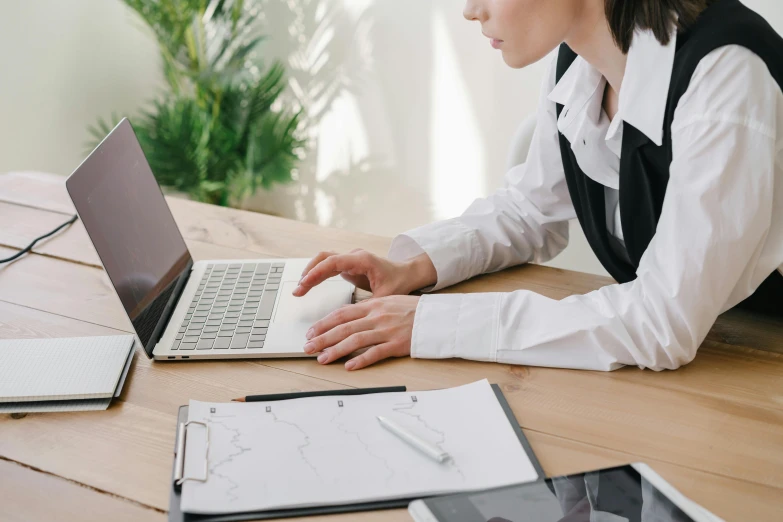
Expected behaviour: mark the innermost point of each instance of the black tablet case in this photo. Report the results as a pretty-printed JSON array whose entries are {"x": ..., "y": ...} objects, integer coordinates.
[{"x": 176, "y": 515}]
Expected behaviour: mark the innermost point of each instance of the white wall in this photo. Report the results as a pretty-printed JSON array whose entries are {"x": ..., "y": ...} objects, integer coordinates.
[
  {"x": 420, "y": 120},
  {"x": 63, "y": 64},
  {"x": 411, "y": 110}
]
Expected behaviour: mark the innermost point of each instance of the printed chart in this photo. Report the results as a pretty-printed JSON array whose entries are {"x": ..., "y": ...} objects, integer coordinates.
[{"x": 332, "y": 450}]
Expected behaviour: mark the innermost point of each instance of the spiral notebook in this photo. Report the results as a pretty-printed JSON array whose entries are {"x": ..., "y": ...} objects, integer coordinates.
[{"x": 78, "y": 373}]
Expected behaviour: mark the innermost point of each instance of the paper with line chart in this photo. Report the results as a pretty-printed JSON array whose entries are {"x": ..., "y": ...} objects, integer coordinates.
[{"x": 332, "y": 450}]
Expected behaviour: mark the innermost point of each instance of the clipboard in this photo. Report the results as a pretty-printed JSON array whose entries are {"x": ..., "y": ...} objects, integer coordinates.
[{"x": 176, "y": 514}]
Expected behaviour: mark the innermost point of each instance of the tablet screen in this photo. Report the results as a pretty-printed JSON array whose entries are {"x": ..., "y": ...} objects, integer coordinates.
[{"x": 610, "y": 495}]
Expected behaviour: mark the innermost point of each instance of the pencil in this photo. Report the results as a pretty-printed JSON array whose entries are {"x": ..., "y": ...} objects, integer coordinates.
[{"x": 322, "y": 393}]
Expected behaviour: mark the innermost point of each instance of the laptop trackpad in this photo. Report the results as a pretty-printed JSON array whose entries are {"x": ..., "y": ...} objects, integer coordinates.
[{"x": 319, "y": 302}]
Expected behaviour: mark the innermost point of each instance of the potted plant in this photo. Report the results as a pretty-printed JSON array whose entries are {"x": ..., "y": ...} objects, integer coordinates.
[{"x": 216, "y": 134}]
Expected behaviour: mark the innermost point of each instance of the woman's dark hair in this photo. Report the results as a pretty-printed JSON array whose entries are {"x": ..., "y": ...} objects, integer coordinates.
[{"x": 660, "y": 16}]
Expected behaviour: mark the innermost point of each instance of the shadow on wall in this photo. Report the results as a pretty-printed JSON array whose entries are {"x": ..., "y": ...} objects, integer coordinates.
[
  {"x": 396, "y": 98},
  {"x": 348, "y": 175}
]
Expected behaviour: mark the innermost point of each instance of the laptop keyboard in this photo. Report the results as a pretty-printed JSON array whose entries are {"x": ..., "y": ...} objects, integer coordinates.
[{"x": 232, "y": 307}]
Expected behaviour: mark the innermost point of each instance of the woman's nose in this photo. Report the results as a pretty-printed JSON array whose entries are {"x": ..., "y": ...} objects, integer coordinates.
[{"x": 473, "y": 11}]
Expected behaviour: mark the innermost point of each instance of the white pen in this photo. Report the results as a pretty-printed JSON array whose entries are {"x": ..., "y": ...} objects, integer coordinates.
[{"x": 432, "y": 451}]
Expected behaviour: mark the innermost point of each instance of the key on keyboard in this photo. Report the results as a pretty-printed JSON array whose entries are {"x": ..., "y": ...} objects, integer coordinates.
[{"x": 229, "y": 301}]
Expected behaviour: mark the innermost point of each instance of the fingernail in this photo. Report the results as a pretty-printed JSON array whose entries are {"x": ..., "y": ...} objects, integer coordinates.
[
  {"x": 349, "y": 365},
  {"x": 310, "y": 333},
  {"x": 322, "y": 358},
  {"x": 309, "y": 347}
]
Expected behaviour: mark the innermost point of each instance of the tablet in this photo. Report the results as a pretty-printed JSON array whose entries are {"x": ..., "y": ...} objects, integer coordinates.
[{"x": 631, "y": 493}]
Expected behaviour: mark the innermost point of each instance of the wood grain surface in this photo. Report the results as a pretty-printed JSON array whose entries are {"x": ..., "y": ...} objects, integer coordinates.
[{"x": 714, "y": 428}]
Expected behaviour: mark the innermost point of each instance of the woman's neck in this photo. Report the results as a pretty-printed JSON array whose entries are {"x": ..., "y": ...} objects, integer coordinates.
[{"x": 592, "y": 40}]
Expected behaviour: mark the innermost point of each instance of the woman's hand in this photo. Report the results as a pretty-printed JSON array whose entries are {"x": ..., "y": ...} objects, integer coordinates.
[
  {"x": 369, "y": 272},
  {"x": 383, "y": 325}
]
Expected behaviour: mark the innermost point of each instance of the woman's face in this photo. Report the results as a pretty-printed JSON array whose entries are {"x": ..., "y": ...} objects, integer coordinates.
[{"x": 524, "y": 30}]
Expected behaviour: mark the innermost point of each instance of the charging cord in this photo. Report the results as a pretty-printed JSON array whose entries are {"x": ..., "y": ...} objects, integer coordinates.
[{"x": 29, "y": 247}]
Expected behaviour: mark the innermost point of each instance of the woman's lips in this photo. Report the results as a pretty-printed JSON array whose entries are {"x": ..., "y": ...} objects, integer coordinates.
[{"x": 494, "y": 42}]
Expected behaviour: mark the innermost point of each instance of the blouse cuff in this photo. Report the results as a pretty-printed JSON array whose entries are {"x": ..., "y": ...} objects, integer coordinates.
[{"x": 456, "y": 325}]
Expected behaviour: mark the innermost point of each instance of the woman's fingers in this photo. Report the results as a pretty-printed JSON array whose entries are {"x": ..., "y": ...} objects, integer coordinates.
[
  {"x": 350, "y": 344},
  {"x": 360, "y": 268},
  {"x": 383, "y": 325},
  {"x": 342, "y": 315},
  {"x": 337, "y": 334},
  {"x": 371, "y": 356},
  {"x": 317, "y": 259},
  {"x": 329, "y": 267},
  {"x": 299, "y": 291}
]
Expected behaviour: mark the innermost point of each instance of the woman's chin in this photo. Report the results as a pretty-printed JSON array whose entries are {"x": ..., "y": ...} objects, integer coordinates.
[
  {"x": 521, "y": 59},
  {"x": 516, "y": 61}
]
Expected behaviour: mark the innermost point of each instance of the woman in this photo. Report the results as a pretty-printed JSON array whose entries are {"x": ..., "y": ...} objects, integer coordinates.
[{"x": 660, "y": 127}]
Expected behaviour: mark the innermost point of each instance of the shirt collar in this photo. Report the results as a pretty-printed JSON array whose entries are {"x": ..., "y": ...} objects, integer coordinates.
[{"x": 644, "y": 92}]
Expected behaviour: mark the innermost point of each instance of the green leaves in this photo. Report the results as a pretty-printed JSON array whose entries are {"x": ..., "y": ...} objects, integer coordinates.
[
  {"x": 175, "y": 137},
  {"x": 214, "y": 136}
]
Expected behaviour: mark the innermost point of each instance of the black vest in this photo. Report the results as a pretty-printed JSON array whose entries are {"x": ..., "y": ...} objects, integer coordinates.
[{"x": 644, "y": 167}]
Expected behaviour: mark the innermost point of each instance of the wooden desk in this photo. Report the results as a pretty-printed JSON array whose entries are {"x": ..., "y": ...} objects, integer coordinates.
[{"x": 714, "y": 428}]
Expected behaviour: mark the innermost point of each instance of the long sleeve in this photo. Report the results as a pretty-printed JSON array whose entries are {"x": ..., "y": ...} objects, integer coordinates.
[
  {"x": 719, "y": 236},
  {"x": 525, "y": 221}
]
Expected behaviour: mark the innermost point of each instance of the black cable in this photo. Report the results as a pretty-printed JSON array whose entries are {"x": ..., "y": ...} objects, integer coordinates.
[{"x": 29, "y": 247}]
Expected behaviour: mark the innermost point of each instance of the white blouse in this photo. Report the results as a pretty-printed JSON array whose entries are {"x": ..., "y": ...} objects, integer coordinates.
[{"x": 719, "y": 236}]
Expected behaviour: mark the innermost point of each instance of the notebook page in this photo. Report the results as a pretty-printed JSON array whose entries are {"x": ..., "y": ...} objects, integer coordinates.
[
  {"x": 332, "y": 450},
  {"x": 69, "y": 368},
  {"x": 55, "y": 406}
]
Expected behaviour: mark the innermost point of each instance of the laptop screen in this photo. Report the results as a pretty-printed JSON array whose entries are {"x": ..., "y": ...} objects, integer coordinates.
[{"x": 130, "y": 224}]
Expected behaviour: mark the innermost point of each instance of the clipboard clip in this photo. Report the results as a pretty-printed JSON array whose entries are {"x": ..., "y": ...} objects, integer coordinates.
[{"x": 179, "y": 454}]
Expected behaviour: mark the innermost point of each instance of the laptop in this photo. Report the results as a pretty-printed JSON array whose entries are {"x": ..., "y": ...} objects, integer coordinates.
[{"x": 181, "y": 308}]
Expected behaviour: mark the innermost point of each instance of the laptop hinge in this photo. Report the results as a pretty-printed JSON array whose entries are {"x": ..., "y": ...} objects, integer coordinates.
[{"x": 168, "y": 310}]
